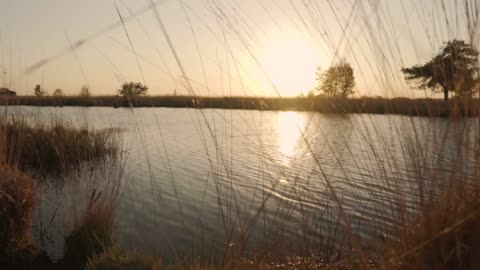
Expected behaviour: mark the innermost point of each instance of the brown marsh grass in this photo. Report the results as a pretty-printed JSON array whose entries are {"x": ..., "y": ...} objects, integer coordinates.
[
  {"x": 460, "y": 106},
  {"x": 56, "y": 149},
  {"x": 16, "y": 208},
  {"x": 52, "y": 147}
]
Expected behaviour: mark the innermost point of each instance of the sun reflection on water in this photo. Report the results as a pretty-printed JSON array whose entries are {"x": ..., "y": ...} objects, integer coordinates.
[{"x": 290, "y": 128}]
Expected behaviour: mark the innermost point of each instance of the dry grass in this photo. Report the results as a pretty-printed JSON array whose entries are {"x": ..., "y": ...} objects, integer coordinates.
[
  {"x": 444, "y": 234},
  {"x": 93, "y": 213},
  {"x": 54, "y": 147},
  {"x": 93, "y": 233},
  {"x": 16, "y": 207},
  {"x": 44, "y": 149}
]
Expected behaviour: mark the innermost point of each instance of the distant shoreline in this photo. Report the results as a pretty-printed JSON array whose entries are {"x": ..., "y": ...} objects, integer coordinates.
[{"x": 400, "y": 106}]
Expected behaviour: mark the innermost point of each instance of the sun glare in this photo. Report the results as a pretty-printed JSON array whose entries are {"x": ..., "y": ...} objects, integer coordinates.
[
  {"x": 290, "y": 64},
  {"x": 290, "y": 127}
]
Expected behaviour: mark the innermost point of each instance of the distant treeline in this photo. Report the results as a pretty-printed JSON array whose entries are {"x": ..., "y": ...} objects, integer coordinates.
[{"x": 403, "y": 106}]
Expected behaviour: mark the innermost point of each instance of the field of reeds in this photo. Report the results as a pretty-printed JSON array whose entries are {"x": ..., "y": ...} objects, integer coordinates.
[
  {"x": 37, "y": 147},
  {"x": 367, "y": 105}
]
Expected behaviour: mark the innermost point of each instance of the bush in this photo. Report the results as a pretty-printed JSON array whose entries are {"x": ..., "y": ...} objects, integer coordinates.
[
  {"x": 16, "y": 207},
  {"x": 58, "y": 93},
  {"x": 85, "y": 91}
]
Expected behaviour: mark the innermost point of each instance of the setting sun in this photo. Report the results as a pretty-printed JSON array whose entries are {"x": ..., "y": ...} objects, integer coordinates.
[{"x": 290, "y": 64}]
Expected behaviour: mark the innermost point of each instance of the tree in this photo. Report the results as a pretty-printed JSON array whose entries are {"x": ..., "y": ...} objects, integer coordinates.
[
  {"x": 39, "y": 91},
  {"x": 7, "y": 92},
  {"x": 454, "y": 68},
  {"x": 338, "y": 80},
  {"x": 58, "y": 93},
  {"x": 132, "y": 89},
  {"x": 85, "y": 91}
]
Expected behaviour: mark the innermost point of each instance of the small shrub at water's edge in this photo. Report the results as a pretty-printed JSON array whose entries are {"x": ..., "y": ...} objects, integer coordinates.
[{"x": 16, "y": 207}]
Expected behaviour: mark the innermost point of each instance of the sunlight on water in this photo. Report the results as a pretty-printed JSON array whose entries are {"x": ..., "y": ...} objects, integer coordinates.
[{"x": 290, "y": 128}]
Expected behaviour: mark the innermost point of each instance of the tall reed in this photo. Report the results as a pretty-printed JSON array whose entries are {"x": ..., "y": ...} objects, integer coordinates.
[{"x": 52, "y": 147}]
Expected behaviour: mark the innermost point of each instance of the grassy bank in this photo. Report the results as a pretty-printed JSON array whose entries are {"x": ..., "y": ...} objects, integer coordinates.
[
  {"x": 30, "y": 150},
  {"x": 402, "y": 106}
]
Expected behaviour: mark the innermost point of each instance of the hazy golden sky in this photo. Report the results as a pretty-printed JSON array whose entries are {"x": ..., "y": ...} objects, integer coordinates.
[{"x": 227, "y": 47}]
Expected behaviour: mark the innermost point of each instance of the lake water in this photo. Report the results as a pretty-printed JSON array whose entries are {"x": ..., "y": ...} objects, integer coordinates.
[{"x": 190, "y": 176}]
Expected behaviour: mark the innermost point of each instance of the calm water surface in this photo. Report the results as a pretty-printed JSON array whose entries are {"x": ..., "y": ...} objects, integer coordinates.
[{"x": 191, "y": 175}]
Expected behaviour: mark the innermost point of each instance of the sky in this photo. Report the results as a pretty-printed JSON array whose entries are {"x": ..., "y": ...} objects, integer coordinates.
[{"x": 220, "y": 47}]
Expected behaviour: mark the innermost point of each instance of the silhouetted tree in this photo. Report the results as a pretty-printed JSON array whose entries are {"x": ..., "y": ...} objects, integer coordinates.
[
  {"x": 454, "y": 68},
  {"x": 39, "y": 91},
  {"x": 7, "y": 92},
  {"x": 338, "y": 80},
  {"x": 132, "y": 89},
  {"x": 84, "y": 91},
  {"x": 58, "y": 93}
]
